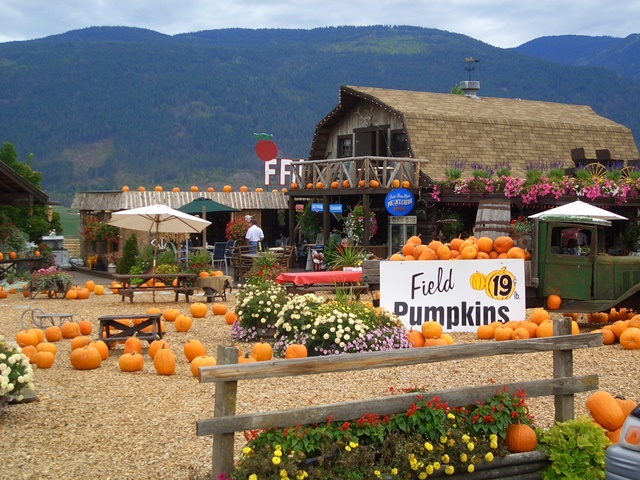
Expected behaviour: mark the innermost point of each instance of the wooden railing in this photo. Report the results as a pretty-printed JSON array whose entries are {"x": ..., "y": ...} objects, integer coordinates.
[
  {"x": 72, "y": 244},
  {"x": 357, "y": 169},
  {"x": 226, "y": 375}
]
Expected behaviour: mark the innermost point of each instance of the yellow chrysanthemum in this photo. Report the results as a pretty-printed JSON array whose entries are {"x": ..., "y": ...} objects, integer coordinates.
[
  {"x": 283, "y": 474},
  {"x": 493, "y": 445},
  {"x": 422, "y": 475},
  {"x": 471, "y": 446},
  {"x": 463, "y": 457},
  {"x": 394, "y": 471},
  {"x": 429, "y": 469},
  {"x": 443, "y": 439},
  {"x": 347, "y": 448},
  {"x": 466, "y": 438},
  {"x": 377, "y": 473},
  {"x": 489, "y": 457},
  {"x": 253, "y": 476},
  {"x": 276, "y": 460},
  {"x": 278, "y": 447},
  {"x": 436, "y": 465},
  {"x": 449, "y": 470},
  {"x": 428, "y": 447},
  {"x": 353, "y": 444},
  {"x": 278, "y": 453},
  {"x": 246, "y": 450},
  {"x": 471, "y": 468},
  {"x": 451, "y": 416},
  {"x": 445, "y": 458},
  {"x": 451, "y": 442},
  {"x": 493, "y": 437}
]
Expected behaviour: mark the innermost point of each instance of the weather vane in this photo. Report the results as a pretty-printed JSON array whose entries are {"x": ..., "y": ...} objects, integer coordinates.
[{"x": 470, "y": 68}]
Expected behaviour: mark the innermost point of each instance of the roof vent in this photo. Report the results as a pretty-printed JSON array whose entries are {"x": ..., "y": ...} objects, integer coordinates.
[{"x": 470, "y": 88}]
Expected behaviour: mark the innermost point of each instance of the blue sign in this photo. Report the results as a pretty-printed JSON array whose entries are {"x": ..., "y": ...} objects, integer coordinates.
[
  {"x": 317, "y": 207},
  {"x": 335, "y": 208},
  {"x": 399, "y": 202}
]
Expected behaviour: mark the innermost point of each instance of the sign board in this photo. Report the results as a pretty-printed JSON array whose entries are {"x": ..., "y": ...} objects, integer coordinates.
[
  {"x": 399, "y": 201},
  {"x": 278, "y": 171},
  {"x": 408, "y": 220},
  {"x": 460, "y": 295},
  {"x": 317, "y": 207},
  {"x": 335, "y": 208}
]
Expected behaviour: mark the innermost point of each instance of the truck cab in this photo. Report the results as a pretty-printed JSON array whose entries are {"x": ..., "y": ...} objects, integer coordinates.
[{"x": 569, "y": 259}]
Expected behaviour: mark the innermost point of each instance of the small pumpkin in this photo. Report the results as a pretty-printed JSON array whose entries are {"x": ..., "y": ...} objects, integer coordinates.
[
  {"x": 201, "y": 361},
  {"x": 102, "y": 348},
  {"x": 30, "y": 351},
  {"x": 230, "y": 317},
  {"x": 44, "y": 359},
  {"x": 131, "y": 362},
  {"x": 416, "y": 339},
  {"x": 46, "y": 347},
  {"x": 53, "y": 333},
  {"x": 262, "y": 351},
  {"x": 155, "y": 346},
  {"x": 183, "y": 323},
  {"x": 164, "y": 361},
  {"x": 219, "y": 309},
  {"x": 133, "y": 344},
  {"x": 80, "y": 341},
  {"x": 98, "y": 290},
  {"x": 85, "y": 327},
  {"x": 485, "y": 332},
  {"x": 27, "y": 337},
  {"x": 553, "y": 302},
  {"x": 194, "y": 348},
  {"x": 295, "y": 350},
  {"x": 520, "y": 438},
  {"x": 431, "y": 329},
  {"x": 246, "y": 358},
  {"x": 85, "y": 358},
  {"x": 198, "y": 310},
  {"x": 170, "y": 314},
  {"x": 630, "y": 338},
  {"x": 70, "y": 330}
]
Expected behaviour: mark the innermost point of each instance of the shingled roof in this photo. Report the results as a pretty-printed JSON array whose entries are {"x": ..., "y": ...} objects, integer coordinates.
[{"x": 445, "y": 127}]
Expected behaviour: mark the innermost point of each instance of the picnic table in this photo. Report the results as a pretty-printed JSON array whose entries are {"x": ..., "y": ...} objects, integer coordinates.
[
  {"x": 113, "y": 330},
  {"x": 215, "y": 286},
  {"x": 330, "y": 280},
  {"x": 127, "y": 289}
]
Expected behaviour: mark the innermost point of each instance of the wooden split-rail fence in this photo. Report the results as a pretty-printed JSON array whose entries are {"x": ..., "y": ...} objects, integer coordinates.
[{"x": 227, "y": 373}]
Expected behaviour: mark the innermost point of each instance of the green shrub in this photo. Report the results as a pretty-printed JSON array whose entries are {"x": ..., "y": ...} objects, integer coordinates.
[{"x": 129, "y": 254}]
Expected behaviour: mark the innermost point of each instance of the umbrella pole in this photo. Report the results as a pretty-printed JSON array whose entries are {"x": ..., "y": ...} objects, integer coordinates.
[{"x": 153, "y": 269}]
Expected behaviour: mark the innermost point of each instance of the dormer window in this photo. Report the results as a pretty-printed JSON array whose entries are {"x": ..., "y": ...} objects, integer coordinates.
[{"x": 345, "y": 146}]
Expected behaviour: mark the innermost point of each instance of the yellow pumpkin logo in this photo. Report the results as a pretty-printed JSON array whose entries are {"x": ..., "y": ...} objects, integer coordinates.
[
  {"x": 500, "y": 284},
  {"x": 478, "y": 281}
]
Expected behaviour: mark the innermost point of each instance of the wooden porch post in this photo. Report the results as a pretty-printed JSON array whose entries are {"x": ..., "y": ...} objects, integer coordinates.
[{"x": 367, "y": 227}]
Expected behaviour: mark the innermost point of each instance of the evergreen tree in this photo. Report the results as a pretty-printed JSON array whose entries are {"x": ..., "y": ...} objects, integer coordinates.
[{"x": 129, "y": 254}]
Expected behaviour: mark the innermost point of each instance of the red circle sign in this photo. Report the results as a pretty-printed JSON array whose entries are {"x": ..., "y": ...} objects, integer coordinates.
[{"x": 266, "y": 150}]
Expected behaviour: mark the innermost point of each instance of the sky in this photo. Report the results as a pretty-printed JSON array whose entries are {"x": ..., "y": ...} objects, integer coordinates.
[{"x": 501, "y": 23}]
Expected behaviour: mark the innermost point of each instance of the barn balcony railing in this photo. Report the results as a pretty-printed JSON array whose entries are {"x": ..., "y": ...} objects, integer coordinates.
[{"x": 358, "y": 171}]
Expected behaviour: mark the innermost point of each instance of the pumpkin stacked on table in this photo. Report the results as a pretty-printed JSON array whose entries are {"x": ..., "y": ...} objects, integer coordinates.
[
  {"x": 471, "y": 248},
  {"x": 609, "y": 412},
  {"x": 539, "y": 324}
]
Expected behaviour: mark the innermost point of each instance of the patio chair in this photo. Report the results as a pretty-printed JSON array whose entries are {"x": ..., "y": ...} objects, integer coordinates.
[{"x": 219, "y": 257}]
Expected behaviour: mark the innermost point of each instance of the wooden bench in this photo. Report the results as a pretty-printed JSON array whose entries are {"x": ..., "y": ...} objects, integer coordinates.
[
  {"x": 128, "y": 292},
  {"x": 42, "y": 320},
  {"x": 111, "y": 330}
]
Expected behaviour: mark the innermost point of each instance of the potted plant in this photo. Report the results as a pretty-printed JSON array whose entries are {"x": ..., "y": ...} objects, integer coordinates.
[
  {"x": 354, "y": 225},
  {"x": 112, "y": 261},
  {"x": 345, "y": 257},
  {"x": 16, "y": 373},
  {"x": 257, "y": 308}
]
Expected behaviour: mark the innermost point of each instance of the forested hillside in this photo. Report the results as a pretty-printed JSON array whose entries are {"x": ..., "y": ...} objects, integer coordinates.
[
  {"x": 107, "y": 106},
  {"x": 621, "y": 55}
]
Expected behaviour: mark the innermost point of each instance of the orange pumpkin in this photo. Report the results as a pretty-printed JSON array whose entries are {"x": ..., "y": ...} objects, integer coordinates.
[
  {"x": 219, "y": 309},
  {"x": 70, "y": 330},
  {"x": 295, "y": 350},
  {"x": 416, "y": 339},
  {"x": 485, "y": 332},
  {"x": 262, "y": 351},
  {"x": 102, "y": 348},
  {"x": 85, "y": 358},
  {"x": 131, "y": 362},
  {"x": 46, "y": 347},
  {"x": 44, "y": 359},
  {"x": 164, "y": 361},
  {"x": 183, "y": 323},
  {"x": 553, "y": 302},
  {"x": 520, "y": 438},
  {"x": 198, "y": 310},
  {"x": 170, "y": 314},
  {"x": 201, "y": 361},
  {"x": 431, "y": 330},
  {"x": 80, "y": 341},
  {"x": 502, "y": 244},
  {"x": 53, "y": 333},
  {"x": 227, "y": 189},
  {"x": 605, "y": 410},
  {"x": 85, "y": 327},
  {"x": 502, "y": 333},
  {"x": 133, "y": 344},
  {"x": 230, "y": 317},
  {"x": 155, "y": 346},
  {"x": 194, "y": 348},
  {"x": 630, "y": 338}
]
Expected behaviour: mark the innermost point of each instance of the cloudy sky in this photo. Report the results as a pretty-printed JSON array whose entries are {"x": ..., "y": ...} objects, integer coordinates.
[{"x": 502, "y": 23}]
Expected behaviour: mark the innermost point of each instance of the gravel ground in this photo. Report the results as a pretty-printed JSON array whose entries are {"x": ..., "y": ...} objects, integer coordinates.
[{"x": 105, "y": 424}]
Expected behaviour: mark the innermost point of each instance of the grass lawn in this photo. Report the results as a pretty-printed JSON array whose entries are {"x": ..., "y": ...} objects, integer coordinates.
[{"x": 70, "y": 220}]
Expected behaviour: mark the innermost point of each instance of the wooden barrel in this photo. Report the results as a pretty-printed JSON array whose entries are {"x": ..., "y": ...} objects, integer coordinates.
[{"x": 493, "y": 218}]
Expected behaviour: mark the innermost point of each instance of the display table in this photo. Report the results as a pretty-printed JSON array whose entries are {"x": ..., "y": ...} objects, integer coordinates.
[
  {"x": 328, "y": 281},
  {"x": 127, "y": 289},
  {"x": 112, "y": 330},
  {"x": 215, "y": 286}
]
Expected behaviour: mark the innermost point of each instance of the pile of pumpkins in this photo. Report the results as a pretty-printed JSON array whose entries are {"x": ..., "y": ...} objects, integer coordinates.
[
  {"x": 194, "y": 189},
  {"x": 347, "y": 184},
  {"x": 538, "y": 325},
  {"x": 609, "y": 412},
  {"x": 459, "y": 249},
  {"x": 429, "y": 335}
]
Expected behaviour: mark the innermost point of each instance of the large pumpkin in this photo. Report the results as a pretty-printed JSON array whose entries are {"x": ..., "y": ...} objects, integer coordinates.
[
  {"x": 44, "y": 359},
  {"x": 502, "y": 244},
  {"x": 85, "y": 327},
  {"x": 46, "y": 347},
  {"x": 198, "y": 310},
  {"x": 605, "y": 410},
  {"x": 70, "y": 330},
  {"x": 102, "y": 348},
  {"x": 80, "y": 341},
  {"x": 201, "y": 361},
  {"x": 230, "y": 317},
  {"x": 416, "y": 339},
  {"x": 164, "y": 361},
  {"x": 131, "y": 362},
  {"x": 520, "y": 438},
  {"x": 431, "y": 329},
  {"x": 53, "y": 333},
  {"x": 155, "y": 346},
  {"x": 194, "y": 348},
  {"x": 85, "y": 358},
  {"x": 133, "y": 344},
  {"x": 170, "y": 314},
  {"x": 27, "y": 337},
  {"x": 630, "y": 338}
]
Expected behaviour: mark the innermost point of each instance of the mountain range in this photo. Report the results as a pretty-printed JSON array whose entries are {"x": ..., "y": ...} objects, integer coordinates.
[{"x": 103, "y": 107}]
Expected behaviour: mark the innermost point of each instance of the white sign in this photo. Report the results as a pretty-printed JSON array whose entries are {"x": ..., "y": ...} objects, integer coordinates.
[
  {"x": 407, "y": 220},
  {"x": 459, "y": 294},
  {"x": 278, "y": 171}
]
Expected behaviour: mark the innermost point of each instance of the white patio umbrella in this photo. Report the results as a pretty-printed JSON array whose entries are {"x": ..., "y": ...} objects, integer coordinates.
[
  {"x": 578, "y": 209},
  {"x": 157, "y": 219}
]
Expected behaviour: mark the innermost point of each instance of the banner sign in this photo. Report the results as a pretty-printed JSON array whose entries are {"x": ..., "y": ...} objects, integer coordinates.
[
  {"x": 399, "y": 201},
  {"x": 335, "y": 208},
  {"x": 460, "y": 294},
  {"x": 317, "y": 207}
]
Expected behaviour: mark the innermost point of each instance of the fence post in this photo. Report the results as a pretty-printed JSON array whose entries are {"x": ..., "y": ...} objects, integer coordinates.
[
  {"x": 563, "y": 367},
  {"x": 225, "y": 405}
]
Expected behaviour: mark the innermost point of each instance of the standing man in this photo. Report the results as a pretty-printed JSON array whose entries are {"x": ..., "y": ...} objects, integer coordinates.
[{"x": 254, "y": 235}]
